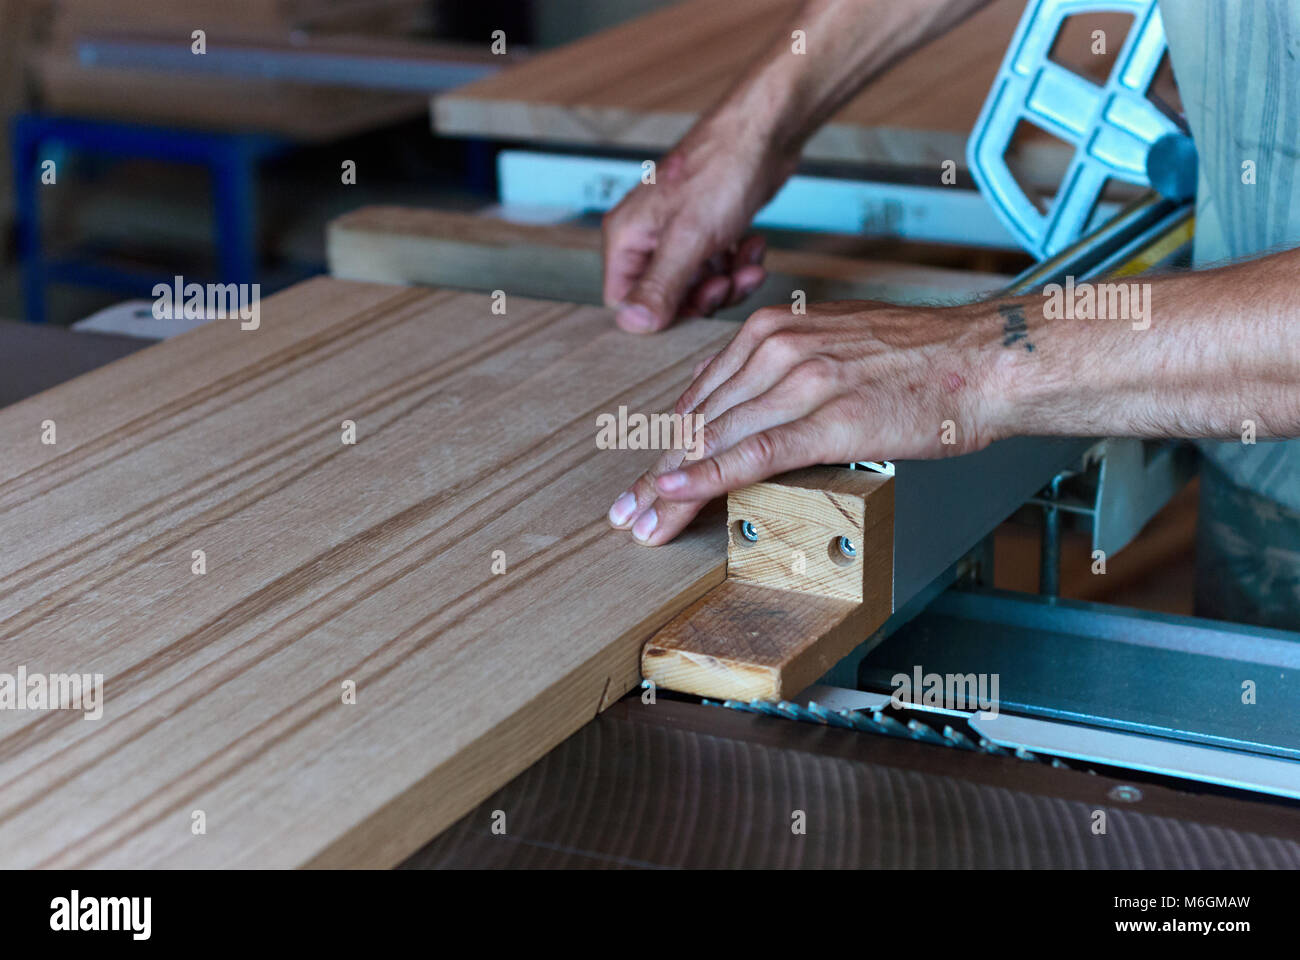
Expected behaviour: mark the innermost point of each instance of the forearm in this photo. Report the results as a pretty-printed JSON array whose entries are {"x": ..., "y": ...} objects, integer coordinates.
[
  {"x": 785, "y": 96},
  {"x": 1215, "y": 349}
]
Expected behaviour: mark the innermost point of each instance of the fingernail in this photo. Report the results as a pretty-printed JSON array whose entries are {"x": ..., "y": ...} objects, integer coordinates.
[
  {"x": 637, "y": 318},
  {"x": 756, "y": 255},
  {"x": 645, "y": 525},
  {"x": 672, "y": 481},
  {"x": 622, "y": 509}
]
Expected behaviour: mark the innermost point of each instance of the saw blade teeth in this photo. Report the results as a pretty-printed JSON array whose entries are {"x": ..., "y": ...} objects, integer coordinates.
[
  {"x": 862, "y": 721},
  {"x": 925, "y": 734},
  {"x": 988, "y": 746},
  {"x": 958, "y": 739},
  {"x": 890, "y": 725},
  {"x": 826, "y": 717},
  {"x": 793, "y": 711}
]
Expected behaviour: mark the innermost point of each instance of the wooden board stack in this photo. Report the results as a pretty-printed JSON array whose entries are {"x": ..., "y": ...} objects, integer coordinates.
[
  {"x": 563, "y": 262},
  {"x": 642, "y": 85}
]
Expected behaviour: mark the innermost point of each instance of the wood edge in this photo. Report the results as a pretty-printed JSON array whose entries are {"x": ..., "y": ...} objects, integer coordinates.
[{"x": 374, "y": 842}]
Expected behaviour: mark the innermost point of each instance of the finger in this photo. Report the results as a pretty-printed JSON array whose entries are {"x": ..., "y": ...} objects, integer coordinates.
[
  {"x": 629, "y": 505},
  {"x": 751, "y": 333},
  {"x": 663, "y": 519},
  {"x": 750, "y": 252},
  {"x": 655, "y": 298},
  {"x": 771, "y": 362},
  {"x": 744, "y": 282},
  {"x": 807, "y": 388},
  {"x": 756, "y": 457},
  {"x": 707, "y": 297},
  {"x": 626, "y": 248},
  {"x": 699, "y": 367}
]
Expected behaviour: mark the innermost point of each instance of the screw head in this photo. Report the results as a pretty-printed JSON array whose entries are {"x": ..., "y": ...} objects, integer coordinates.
[
  {"x": 848, "y": 548},
  {"x": 1125, "y": 793},
  {"x": 748, "y": 531}
]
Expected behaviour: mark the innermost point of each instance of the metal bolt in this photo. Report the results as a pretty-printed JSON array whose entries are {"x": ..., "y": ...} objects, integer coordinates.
[
  {"x": 748, "y": 531},
  {"x": 1125, "y": 793},
  {"x": 847, "y": 548}
]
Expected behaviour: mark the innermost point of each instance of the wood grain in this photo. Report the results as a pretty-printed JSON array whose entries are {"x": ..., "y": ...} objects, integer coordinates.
[
  {"x": 642, "y": 85},
  {"x": 792, "y": 606},
  {"x": 326, "y": 563},
  {"x": 405, "y": 245}
]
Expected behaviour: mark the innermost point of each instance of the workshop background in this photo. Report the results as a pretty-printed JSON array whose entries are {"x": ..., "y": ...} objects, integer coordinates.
[{"x": 242, "y": 178}]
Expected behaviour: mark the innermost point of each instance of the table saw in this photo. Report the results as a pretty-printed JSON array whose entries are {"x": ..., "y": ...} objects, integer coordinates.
[{"x": 421, "y": 646}]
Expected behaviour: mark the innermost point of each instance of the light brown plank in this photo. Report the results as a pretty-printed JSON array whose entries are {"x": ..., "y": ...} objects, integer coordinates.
[
  {"x": 563, "y": 262},
  {"x": 325, "y": 563},
  {"x": 642, "y": 85}
]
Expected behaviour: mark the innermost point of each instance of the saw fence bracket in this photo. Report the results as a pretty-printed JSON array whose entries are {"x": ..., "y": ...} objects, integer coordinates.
[{"x": 810, "y": 565}]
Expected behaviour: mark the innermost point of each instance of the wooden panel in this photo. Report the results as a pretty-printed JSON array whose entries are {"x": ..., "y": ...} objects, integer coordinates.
[
  {"x": 644, "y": 83},
  {"x": 406, "y": 245},
  {"x": 325, "y": 563},
  {"x": 792, "y": 606}
]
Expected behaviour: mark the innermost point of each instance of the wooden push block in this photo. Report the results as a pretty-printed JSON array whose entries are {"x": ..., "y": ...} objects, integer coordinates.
[
  {"x": 815, "y": 531},
  {"x": 810, "y": 564}
]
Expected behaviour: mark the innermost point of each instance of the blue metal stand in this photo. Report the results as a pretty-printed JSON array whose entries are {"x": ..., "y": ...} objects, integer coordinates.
[{"x": 230, "y": 158}]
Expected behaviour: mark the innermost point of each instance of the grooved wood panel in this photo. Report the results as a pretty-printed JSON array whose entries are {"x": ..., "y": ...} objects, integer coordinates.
[
  {"x": 325, "y": 563},
  {"x": 643, "y": 84},
  {"x": 563, "y": 261}
]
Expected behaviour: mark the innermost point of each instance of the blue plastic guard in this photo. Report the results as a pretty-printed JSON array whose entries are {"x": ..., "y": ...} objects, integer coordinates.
[{"x": 1112, "y": 127}]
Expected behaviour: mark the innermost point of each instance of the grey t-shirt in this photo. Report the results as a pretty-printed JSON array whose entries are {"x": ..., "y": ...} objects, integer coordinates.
[{"x": 1237, "y": 63}]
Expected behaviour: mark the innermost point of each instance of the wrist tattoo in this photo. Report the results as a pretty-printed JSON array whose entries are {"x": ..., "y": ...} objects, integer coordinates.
[{"x": 1014, "y": 328}]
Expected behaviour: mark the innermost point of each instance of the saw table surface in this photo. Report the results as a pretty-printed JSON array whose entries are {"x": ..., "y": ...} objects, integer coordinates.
[
  {"x": 642, "y": 84},
  {"x": 328, "y": 567}
]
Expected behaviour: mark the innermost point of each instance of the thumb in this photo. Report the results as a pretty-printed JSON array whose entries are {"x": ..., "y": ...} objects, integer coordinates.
[{"x": 652, "y": 303}]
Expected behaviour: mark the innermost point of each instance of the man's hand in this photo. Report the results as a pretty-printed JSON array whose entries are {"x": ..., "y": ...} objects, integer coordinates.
[
  {"x": 848, "y": 381},
  {"x": 677, "y": 247}
]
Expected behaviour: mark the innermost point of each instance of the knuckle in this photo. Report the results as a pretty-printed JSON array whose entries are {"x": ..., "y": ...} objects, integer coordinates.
[
  {"x": 763, "y": 323},
  {"x": 781, "y": 347},
  {"x": 714, "y": 475},
  {"x": 710, "y": 440},
  {"x": 760, "y": 450},
  {"x": 815, "y": 372}
]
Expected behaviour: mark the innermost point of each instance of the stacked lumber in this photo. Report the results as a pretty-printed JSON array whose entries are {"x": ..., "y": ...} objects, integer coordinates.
[
  {"x": 563, "y": 262},
  {"x": 642, "y": 85},
  {"x": 297, "y": 110},
  {"x": 383, "y": 632}
]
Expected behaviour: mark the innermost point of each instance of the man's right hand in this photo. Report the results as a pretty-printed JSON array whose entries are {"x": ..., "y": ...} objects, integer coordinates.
[{"x": 678, "y": 247}]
